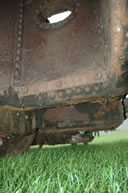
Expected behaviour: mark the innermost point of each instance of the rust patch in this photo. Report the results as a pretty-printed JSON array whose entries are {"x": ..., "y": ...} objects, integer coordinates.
[
  {"x": 20, "y": 123},
  {"x": 85, "y": 115},
  {"x": 66, "y": 83},
  {"x": 87, "y": 60},
  {"x": 13, "y": 145}
]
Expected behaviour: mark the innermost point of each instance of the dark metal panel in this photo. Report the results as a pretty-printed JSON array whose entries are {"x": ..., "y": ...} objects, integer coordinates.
[
  {"x": 13, "y": 145},
  {"x": 99, "y": 115},
  {"x": 8, "y": 36},
  {"x": 19, "y": 122},
  {"x": 81, "y": 59},
  {"x": 107, "y": 78}
]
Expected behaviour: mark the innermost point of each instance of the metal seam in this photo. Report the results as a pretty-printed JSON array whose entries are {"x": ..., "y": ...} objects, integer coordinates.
[{"x": 18, "y": 54}]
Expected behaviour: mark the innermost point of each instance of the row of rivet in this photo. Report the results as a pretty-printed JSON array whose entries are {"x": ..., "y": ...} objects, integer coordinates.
[
  {"x": 69, "y": 92},
  {"x": 19, "y": 45},
  {"x": 98, "y": 76},
  {"x": 116, "y": 31},
  {"x": 26, "y": 116}
]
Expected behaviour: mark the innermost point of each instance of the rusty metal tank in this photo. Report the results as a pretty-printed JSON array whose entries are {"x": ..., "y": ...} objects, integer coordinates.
[{"x": 60, "y": 82}]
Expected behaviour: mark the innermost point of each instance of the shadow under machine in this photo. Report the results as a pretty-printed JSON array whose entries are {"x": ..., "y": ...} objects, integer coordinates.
[{"x": 62, "y": 81}]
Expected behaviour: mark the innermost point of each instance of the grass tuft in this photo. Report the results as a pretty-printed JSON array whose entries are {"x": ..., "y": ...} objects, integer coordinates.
[{"x": 101, "y": 166}]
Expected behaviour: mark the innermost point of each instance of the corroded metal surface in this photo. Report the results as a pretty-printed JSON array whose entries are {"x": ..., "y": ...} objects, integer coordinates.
[
  {"x": 64, "y": 124},
  {"x": 60, "y": 49},
  {"x": 60, "y": 70},
  {"x": 79, "y": 59},
  {"x": 90, "y": 116},
  {"x": 8, "y": 33},
  {"x": 19, "y": 122},
  {"x": 72, "y": 124},
  {"x": 85, "y": 116},
  {"x": 63, "y": 79},
  {"x": 13, "y": 145}
]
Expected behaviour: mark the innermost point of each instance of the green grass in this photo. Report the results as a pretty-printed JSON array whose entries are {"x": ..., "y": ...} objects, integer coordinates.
[{"x": 100, "y": 167}]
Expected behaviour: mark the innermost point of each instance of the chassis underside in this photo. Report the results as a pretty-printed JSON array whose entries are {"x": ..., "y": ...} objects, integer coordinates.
[{"x": 60, "y": 82}]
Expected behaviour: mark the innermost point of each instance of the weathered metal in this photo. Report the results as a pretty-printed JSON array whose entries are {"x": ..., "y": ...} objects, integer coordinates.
[
  {"x": 85, "y": 115},
  {"x": 70, "y": 124},
  {"x": 46, "y": 64},
  {"x": 16, "y": 144},
  {"x": 19, "y": 122},
  {"x": 56, "y": 79}
]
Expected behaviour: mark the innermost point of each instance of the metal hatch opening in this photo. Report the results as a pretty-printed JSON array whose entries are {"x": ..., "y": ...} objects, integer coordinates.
[{"x": 58, "y": 17}]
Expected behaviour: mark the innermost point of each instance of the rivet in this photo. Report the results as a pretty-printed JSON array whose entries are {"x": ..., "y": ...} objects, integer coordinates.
[
  {"x": 21, "y": 10},
  {"x": 18, "y": 114},
  {"x": 17, "y": 65},
  {"x": 17, "y": 73},
  {"x": 20, "y": 26},
  {"x": 20, "y": 20},
  {"x": 18, "y": 51},
  {"x": 21, "y": 15},
  {"x": 78, "y": 90},
  {"x": 17, "y": 58},
  {"x": 19, "y": 45},
  {"x": 19, "y": 39},
  {"x": 21, "y": 5},
  {"x": 52, "y": 94},
  {"x": 23, "y": 89},
  {"x": 20, "y": 33},
  {"x": 98, "y": 75},
  {"x": 26, "y": 116},
  {"x": 87, "y": 89},
  {"x": 68, "y": 91}
]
